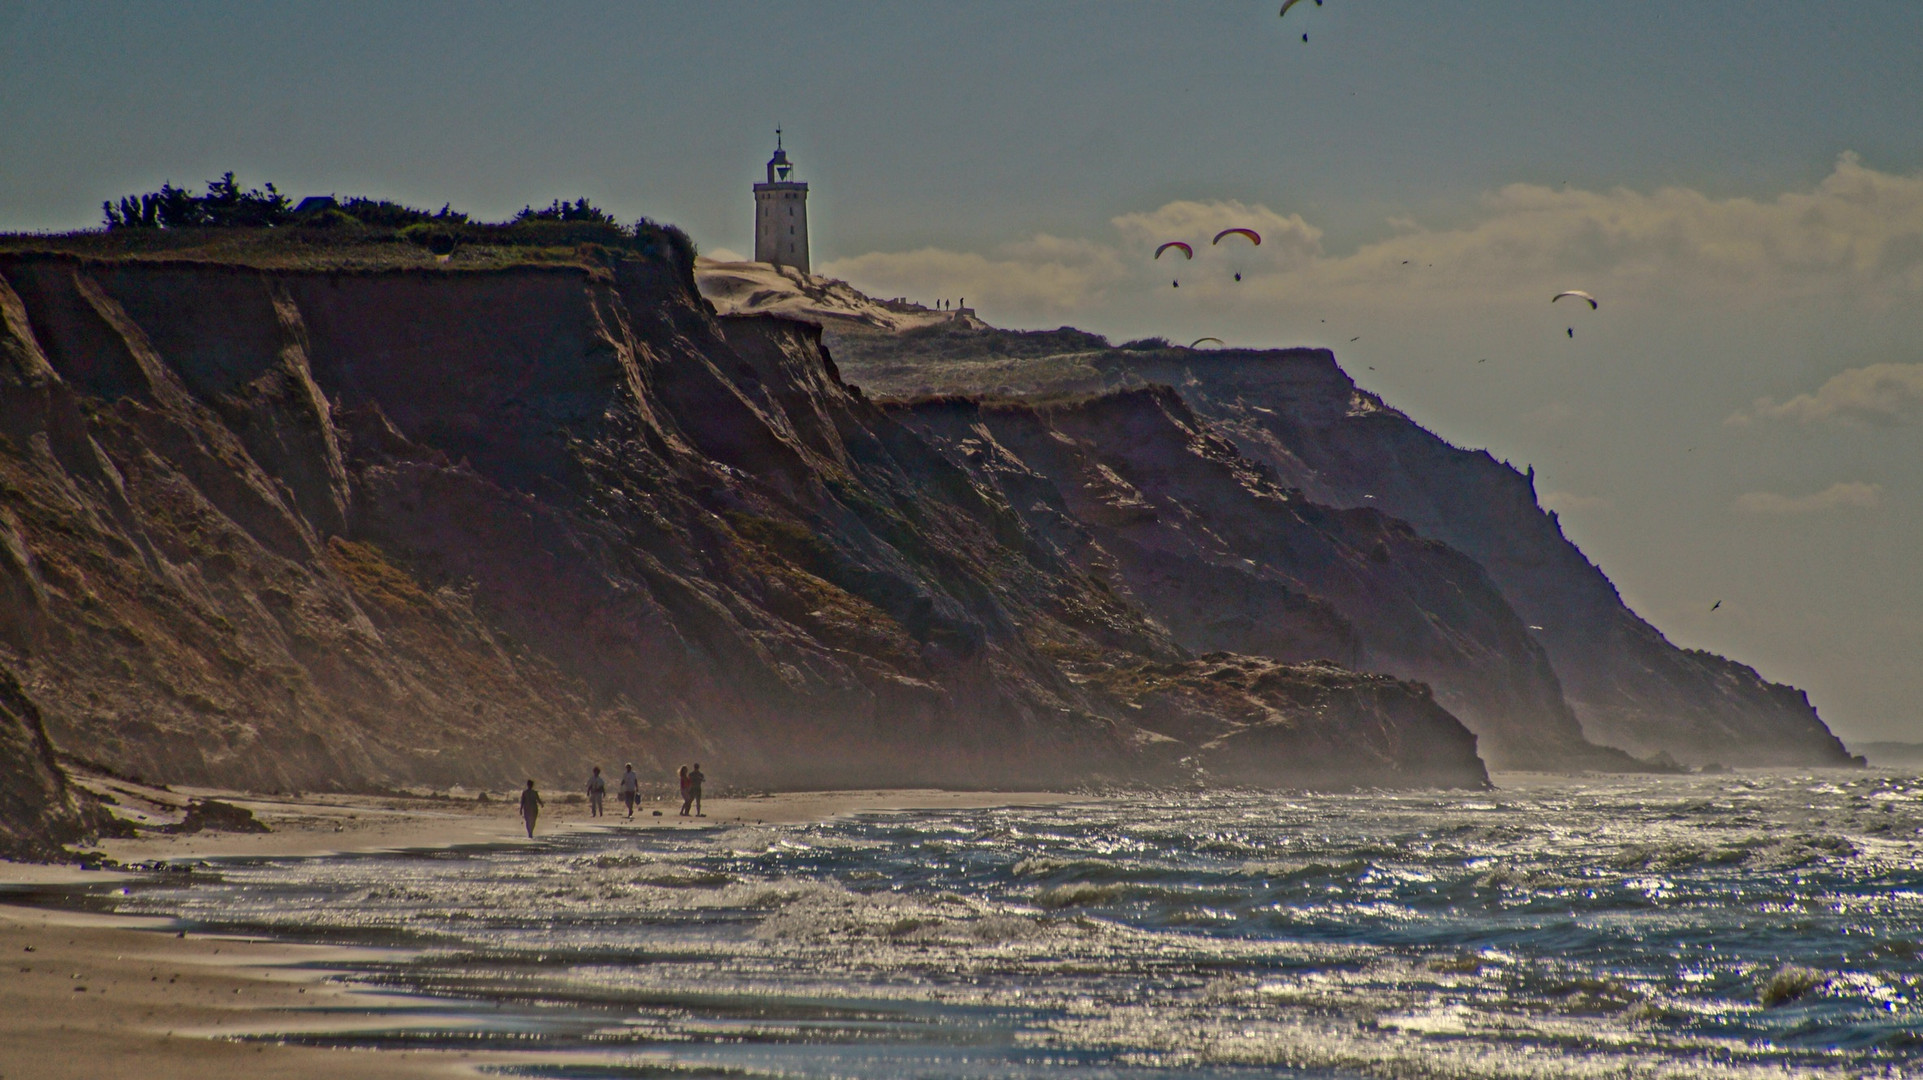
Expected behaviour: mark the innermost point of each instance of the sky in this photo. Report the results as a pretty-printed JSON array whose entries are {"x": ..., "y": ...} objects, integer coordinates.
[{"x": 1739, "y": 184}]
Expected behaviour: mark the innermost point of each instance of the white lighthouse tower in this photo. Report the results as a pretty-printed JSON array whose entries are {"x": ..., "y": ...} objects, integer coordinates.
[{"x": 781, "y": 214}]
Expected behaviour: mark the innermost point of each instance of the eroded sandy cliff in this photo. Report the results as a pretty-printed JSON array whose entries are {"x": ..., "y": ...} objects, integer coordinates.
[
  {"x": 307, "y": 529},
  {"x": 1299, "y": 418}
]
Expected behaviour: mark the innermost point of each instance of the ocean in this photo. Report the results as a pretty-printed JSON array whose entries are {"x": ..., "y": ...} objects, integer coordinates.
[{"x": 1649, "y": 926}]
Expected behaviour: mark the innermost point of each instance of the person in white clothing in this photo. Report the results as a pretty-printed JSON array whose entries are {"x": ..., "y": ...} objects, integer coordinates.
[{"x": 630, "y": 789}]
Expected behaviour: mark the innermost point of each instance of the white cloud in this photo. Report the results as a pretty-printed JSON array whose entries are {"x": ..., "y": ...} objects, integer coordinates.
[
  {"x": 1286, "y": 241},
  {"x": 1886, "y": 395},
  {"x": 1043, "y": 275},
  {"x": 1857, "y": 223},
  {"x": 1850, "y": 495},
  {"x": 1857, "y": 236}
]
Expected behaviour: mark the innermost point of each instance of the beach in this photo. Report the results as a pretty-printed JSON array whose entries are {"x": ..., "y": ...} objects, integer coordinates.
[
  {"x": 91, "y": 995},
  {"x": 1553, "y": 927}
]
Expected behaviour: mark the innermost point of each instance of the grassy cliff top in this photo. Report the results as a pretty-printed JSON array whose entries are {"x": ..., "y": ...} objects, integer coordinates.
[
  {"x": 262, "y": 228},
  {"x": 299, "y": 248}
]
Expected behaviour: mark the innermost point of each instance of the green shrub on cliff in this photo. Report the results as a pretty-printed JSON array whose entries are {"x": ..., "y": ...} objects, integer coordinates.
[
  {"x": 227, "y": 205},
  {"x": 580, "y": 210},
  {"x": 260, "y": 226},
  {"x": 383, "y": 213},
  {"x": 224, "y": 205}
]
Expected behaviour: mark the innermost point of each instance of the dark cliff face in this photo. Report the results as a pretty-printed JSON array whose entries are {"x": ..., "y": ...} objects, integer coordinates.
[
  {"x": 39, "y": 811},
  {"x": 1627, "y": 683},
  {"x": 309, "y": 529},
  {"x": 1135, "y": 484},
  {"x": 1259, "y": 722},
  {"x": 1301, "y": 417}
]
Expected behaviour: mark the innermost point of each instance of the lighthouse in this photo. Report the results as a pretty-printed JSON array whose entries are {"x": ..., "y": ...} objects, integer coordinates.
[{"x": 781, "y": 214}]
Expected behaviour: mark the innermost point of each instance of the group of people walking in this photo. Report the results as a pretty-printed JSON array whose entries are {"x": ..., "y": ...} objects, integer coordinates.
[
  {"x": 630, "y": 790},
  {"x": 691, "y": 779}
]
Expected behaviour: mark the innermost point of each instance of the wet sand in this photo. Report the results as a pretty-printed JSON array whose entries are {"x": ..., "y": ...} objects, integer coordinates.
[{"x": 91, "y": 996}]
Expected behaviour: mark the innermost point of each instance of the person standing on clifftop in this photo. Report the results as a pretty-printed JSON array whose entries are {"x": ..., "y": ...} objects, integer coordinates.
[
  {"x": 597, "y": 791},
  {"x": 630, "y": 789},
  {"x": 530, "y": 807}
]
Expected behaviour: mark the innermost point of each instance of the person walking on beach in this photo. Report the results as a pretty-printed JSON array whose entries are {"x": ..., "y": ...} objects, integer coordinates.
[
  {"x": 597, "y": 791},
  {"x": 694, "y": 789},
  {"x": 630, "y": 789},
  {"x": 530, "y": 807},
  {"x": 687, "y": 799}
]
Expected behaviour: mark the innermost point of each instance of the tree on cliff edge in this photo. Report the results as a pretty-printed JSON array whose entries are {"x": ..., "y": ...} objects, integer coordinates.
[
  {"x": 580, "y": 211},
  {"x": 225, "y": 204}
]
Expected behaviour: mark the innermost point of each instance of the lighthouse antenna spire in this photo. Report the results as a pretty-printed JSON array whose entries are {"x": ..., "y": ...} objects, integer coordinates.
[{"x": 777, "y": 136}]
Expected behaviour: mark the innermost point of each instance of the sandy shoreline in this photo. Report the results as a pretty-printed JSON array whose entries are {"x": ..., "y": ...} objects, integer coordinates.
[{"x": 87, "y": 996}]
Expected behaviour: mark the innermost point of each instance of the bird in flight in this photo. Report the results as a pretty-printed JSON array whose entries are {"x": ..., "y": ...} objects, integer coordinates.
[{"x": 1715, "y": 605}]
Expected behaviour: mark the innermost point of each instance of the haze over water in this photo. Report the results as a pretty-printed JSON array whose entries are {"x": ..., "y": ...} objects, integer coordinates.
[{"x": 1737, "y": 925}]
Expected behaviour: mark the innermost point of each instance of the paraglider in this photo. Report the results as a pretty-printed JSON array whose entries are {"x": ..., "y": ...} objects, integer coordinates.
[
  {"x": 1287, "y": 4},
  {"x": 1578, "y": 294},
  {"x": 1200, "y": 340},
  {"x": 1254, "y": 238},
  {"x": 1187, "y": 251}
]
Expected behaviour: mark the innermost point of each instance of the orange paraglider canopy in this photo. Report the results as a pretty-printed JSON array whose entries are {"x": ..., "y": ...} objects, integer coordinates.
[
  {"x": 1186, "y": 250},
  {"x": 1254, "y": 237}
]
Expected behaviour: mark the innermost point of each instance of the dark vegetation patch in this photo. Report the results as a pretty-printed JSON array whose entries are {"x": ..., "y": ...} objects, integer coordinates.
[
  {"x": 263, "y": 227},
  {"x": 212, "y": 815}
]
